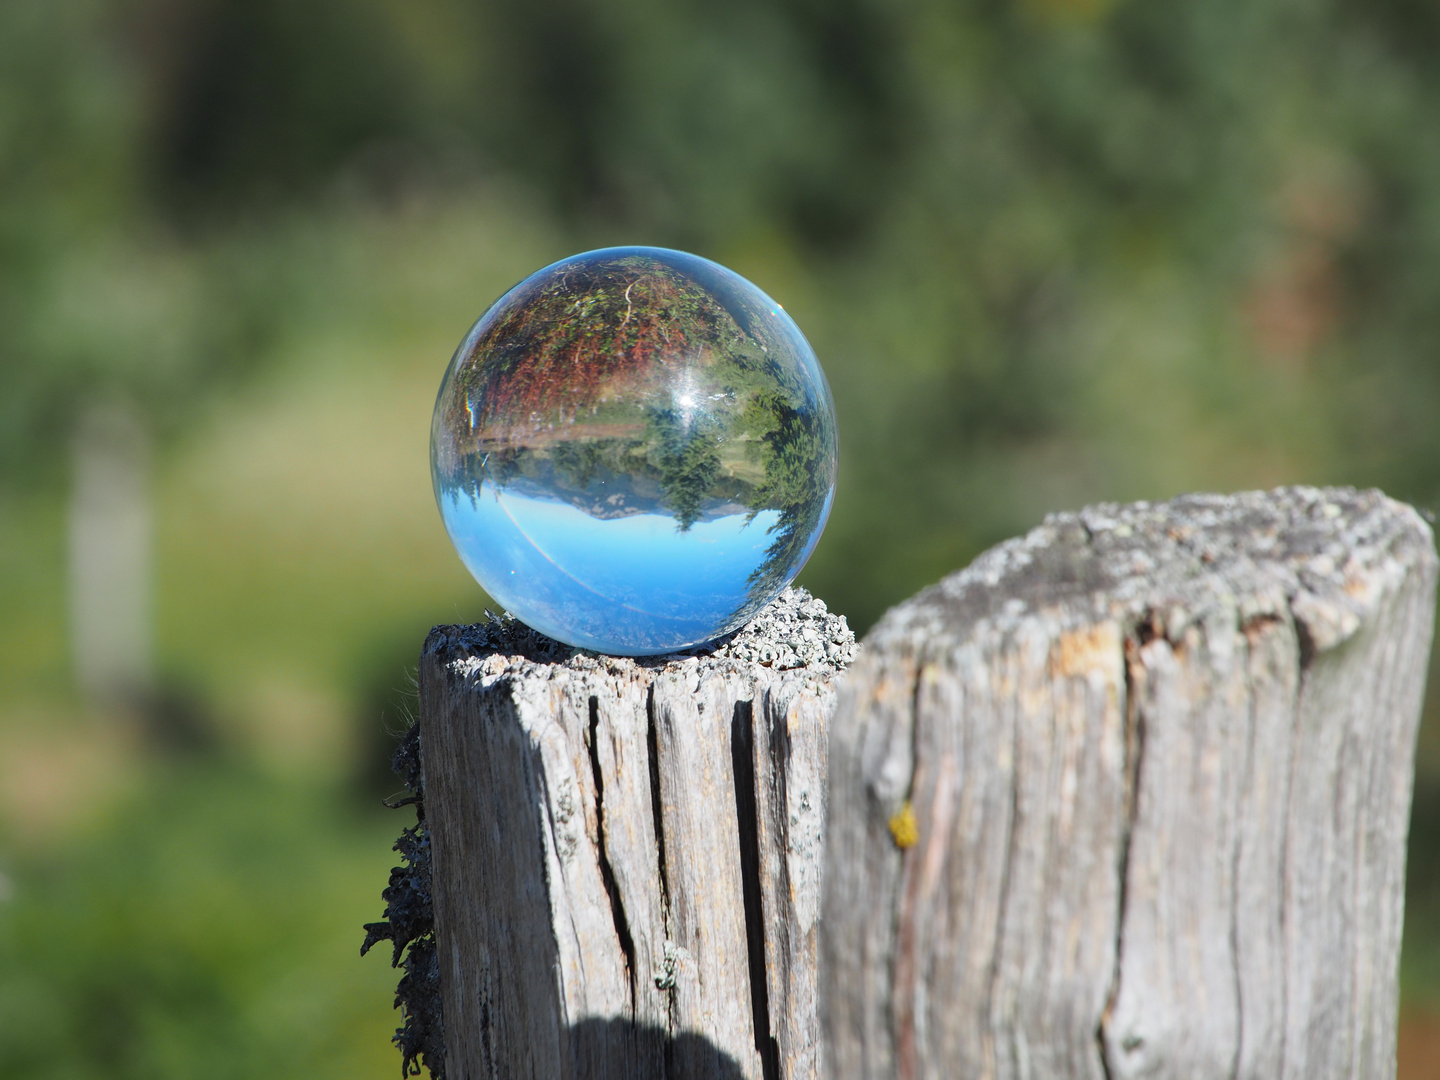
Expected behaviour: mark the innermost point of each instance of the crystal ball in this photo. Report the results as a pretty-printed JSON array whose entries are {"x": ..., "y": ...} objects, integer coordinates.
[{"x": 634, "y": 450}]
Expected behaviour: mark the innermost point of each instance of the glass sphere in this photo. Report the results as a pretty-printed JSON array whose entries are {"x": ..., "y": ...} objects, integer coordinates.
[{"x": 634, "y": 450}]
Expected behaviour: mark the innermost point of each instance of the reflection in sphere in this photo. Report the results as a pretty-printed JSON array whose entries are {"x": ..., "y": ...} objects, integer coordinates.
[{"x": 634, "y": 450}]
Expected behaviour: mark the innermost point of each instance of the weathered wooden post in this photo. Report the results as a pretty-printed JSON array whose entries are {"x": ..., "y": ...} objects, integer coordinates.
[
  {"x": 1128, "y": 797},
  {"x": 627, "y": 854}
]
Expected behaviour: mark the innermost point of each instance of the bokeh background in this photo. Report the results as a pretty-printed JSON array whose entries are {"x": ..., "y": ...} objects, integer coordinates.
[{"x": 1049, "y": 252}]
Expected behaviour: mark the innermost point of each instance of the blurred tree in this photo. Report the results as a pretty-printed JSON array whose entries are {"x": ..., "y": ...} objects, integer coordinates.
[
  {"x": 99, "y": 301},
  {"x": 256, "y": 102}
]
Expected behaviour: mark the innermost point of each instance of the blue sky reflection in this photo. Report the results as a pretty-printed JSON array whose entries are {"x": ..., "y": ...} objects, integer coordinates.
[{"x": 632, "y": 585}]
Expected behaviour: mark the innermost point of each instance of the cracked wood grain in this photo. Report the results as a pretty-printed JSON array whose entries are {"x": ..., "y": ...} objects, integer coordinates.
[{"x": 1160, "y": 759}]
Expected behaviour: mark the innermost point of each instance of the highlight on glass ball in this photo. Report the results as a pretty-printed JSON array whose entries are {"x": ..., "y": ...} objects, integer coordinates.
[{"x": 634, "y": 450}]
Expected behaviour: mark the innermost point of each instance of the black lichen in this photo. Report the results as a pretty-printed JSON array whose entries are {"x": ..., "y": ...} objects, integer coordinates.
[{"x": 409, "y": 925}]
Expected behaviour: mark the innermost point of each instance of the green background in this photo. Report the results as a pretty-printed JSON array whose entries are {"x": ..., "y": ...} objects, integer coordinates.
[{"x": 1048, "y": 251}]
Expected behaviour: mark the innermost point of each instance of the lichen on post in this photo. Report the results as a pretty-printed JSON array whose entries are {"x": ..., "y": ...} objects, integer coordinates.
[{"x": 409, "y": 925}]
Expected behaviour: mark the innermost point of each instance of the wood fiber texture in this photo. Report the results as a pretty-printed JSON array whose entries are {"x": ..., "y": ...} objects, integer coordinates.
[
  {"x": 627, "y": 853},
  {"x": 1158, "y": 760}
]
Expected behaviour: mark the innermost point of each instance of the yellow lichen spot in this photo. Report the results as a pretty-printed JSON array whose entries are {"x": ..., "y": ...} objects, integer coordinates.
[
  {"x": 904, "y": 828},
  {"x": 1089, "y": 649}
]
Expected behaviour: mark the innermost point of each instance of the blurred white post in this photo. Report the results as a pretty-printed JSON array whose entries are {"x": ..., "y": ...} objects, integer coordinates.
[{"x": 110, "y": 555}]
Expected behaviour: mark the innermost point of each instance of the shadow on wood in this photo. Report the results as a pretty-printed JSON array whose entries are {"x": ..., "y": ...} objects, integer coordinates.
[{"x": 611, "y": 1048}]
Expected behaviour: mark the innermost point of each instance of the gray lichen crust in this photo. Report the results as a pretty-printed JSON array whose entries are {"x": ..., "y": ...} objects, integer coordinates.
[
  {"x": 1329, "y": 551},
  {"x": 795, "y": 632}
]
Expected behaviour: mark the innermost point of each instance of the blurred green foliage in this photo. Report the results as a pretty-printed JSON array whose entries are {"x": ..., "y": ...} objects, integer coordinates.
[
  {"x": 209, "y": 931},
  {"x": 1049, "y": 251}
]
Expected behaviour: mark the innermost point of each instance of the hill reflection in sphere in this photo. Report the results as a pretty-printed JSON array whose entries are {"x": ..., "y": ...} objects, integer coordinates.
[{"x": 634, "y": 450}]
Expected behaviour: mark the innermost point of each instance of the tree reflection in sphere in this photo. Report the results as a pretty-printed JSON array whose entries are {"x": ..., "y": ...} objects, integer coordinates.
[{"x": 634, "y": 450}]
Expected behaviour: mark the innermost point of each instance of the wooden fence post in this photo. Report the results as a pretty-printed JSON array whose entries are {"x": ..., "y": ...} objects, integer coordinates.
[
  {"x": 1128, "y": 798},
  {"x": 626, "y": 854}
]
